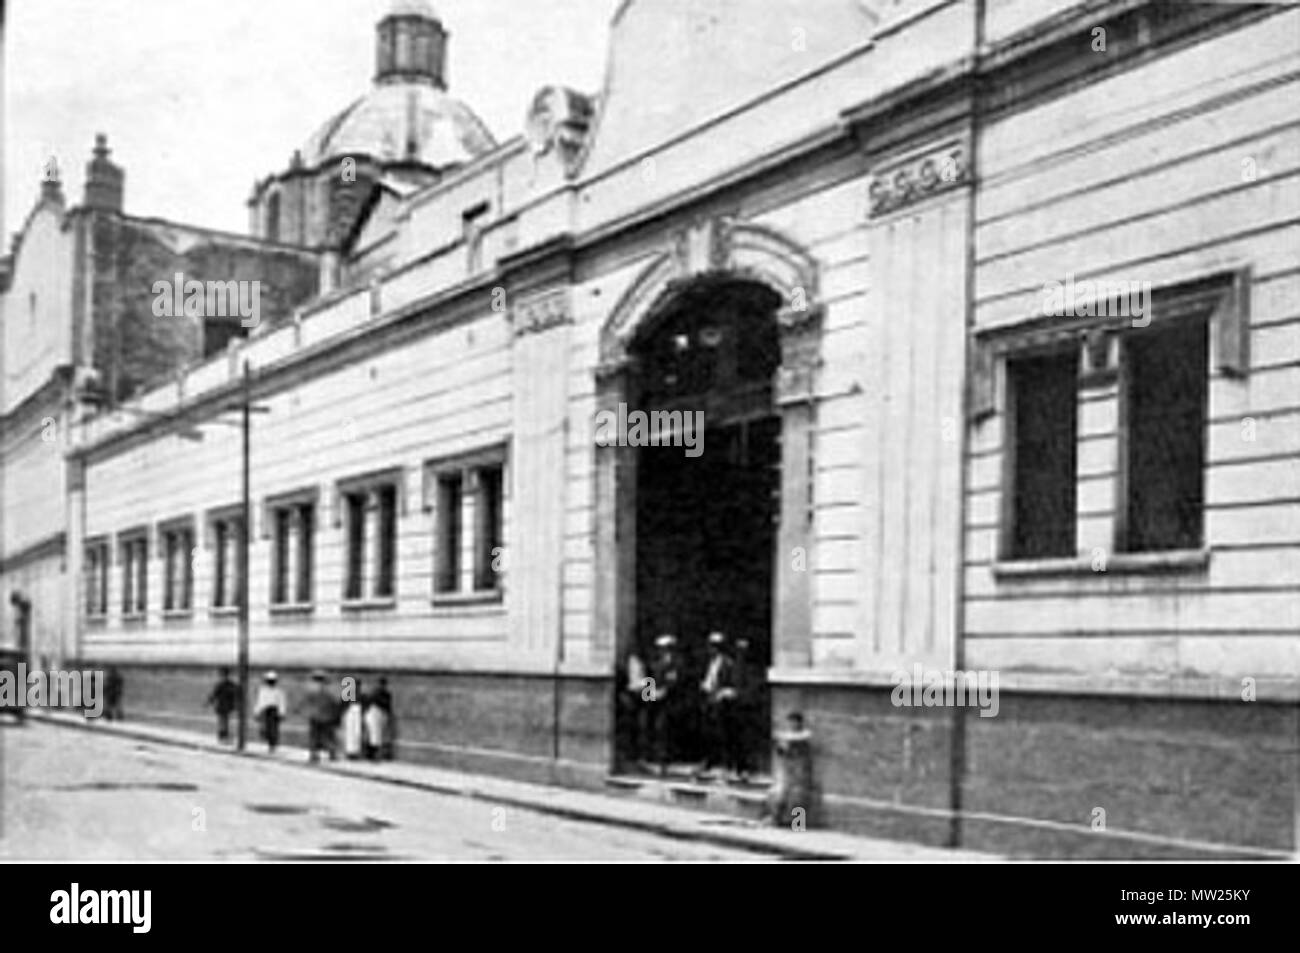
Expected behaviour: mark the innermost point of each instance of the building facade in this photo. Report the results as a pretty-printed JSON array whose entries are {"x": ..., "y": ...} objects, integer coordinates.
[{"x": 990, "y": 307}]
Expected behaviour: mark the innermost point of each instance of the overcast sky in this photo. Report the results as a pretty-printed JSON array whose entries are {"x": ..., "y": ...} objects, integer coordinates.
[{"x": 201, "y": 97}]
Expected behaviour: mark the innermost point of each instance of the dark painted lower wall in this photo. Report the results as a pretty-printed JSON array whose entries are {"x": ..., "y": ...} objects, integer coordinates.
[
  {"x": 495, "y": 723},
  {"x": 1033, "y": 777}
]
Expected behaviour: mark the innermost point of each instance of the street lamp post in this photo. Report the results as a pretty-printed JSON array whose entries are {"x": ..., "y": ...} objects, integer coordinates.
[{"x": 245, "y": 540}]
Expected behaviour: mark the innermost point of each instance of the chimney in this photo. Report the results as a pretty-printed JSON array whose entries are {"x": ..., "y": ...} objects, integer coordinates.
[{"x": 104, "y": 179}]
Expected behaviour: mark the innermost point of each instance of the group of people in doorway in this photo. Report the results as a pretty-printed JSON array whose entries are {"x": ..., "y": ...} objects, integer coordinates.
[
  {"x": 672, "y": 712},
  {"x": 364, "y": 717}
]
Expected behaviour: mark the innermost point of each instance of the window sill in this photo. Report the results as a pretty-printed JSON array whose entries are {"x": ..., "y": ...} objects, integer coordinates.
[
  {"x": 224, "y": 612},
  {"x": 293, "y": 608},
  {"x": 1170, "y": 561},
  {"x": 136, "y": 617},
  {"x": 178, "y": 613},
  {"x": 478, "y": 598},
  {"x": 101, "y": 619},
  {"x": 360, "y": 605}
]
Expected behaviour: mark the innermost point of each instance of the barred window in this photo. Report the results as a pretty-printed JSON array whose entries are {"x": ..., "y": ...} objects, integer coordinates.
[
  {"x": 468, "y": 499},
  {"x": 1043, "y": 420},
  {"x": 227, "y": 560},
  {"x": 370, "y": 508},
  {"x": 178, "y": 584},
  {"x": 355, "y": 504},
  {"x": 292, "y": 557},
  {"x": 487, "y": 536},
  {"x": 447, "y": 555},
  {"x": 96, "y": 578},
  {"x": 133, "y": 551},
  {"x": 1165, "y": 374},
  {"x": 1149, "y": 382}
]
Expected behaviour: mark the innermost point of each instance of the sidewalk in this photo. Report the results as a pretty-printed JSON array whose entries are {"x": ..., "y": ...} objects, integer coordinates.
[{"x": 586, "y": 806}]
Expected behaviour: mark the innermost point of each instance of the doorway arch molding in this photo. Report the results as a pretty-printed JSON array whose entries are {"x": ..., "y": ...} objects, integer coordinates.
[
  {"x": 719, "y": 249},
  {"x": 722, "y": 250}
]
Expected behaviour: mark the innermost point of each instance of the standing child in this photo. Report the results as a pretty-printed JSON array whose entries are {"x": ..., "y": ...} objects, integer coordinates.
[{"x": 790, "y": 801}]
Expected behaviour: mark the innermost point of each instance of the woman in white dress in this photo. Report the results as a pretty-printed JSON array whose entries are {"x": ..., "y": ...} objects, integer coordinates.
[
  {"x": 353, "y": 727},
  {"x": 376, "y": 729},
  {"x": 379, "y": 723}
]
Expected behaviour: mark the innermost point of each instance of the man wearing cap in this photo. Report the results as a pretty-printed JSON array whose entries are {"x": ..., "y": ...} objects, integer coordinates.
[
  {"x": 322, "y": 715},
  {"x": 663, "y": 699},
  {"x": 719, "y": 691},
  {"x": 270, "y": 709}
]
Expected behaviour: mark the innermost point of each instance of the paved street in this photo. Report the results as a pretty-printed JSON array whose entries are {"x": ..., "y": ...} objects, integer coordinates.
[{"x": 73, "y": 795}]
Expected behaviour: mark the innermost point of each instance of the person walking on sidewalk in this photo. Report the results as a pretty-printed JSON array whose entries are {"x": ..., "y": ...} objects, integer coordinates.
[
  {"x": 222, "y": 699},
  {"x": 322, "y": 717},
  {"x": 113, "y": 694},
  {"x": 270, "y": 709}
]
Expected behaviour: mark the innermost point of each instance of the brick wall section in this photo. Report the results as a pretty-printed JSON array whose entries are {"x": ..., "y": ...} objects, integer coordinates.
[
  {"x": 493, "y": 719},
  {"x": 1216, "y": 772}
]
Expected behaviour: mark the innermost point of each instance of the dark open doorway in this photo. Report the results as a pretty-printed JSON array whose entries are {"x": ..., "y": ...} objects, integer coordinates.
[{"x": 706, "y": 522}]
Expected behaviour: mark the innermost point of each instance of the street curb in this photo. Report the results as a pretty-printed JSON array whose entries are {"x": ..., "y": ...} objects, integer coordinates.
[{"x": 684, "y": 830}]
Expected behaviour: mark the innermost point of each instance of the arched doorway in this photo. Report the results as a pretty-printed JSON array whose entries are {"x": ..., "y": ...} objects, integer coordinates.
[
  {"x": 722, "y": 329},
  {"x": 706, "y": 515}
]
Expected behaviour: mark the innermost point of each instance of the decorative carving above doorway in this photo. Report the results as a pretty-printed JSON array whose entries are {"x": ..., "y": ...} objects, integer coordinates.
[{"x": 719, "y": 247}]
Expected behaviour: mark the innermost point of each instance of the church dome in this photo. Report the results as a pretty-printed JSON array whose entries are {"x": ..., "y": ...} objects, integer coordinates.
[
  {"x": 402, "y": 122},
  {"x": 408, "y": 115}
]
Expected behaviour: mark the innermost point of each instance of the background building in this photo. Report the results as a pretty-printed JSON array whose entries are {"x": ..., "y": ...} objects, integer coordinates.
[{"x": 82, "y": 333}]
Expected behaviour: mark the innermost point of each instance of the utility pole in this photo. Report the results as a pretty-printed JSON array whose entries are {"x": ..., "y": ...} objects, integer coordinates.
[{"x": 245, "y": 541}]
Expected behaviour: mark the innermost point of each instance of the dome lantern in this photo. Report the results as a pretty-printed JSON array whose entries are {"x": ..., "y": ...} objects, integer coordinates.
[{"x": 411, "y": 45}]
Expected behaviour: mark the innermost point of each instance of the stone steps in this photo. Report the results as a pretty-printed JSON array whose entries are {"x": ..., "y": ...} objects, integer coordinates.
[{"x": 680, "y": 787}]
